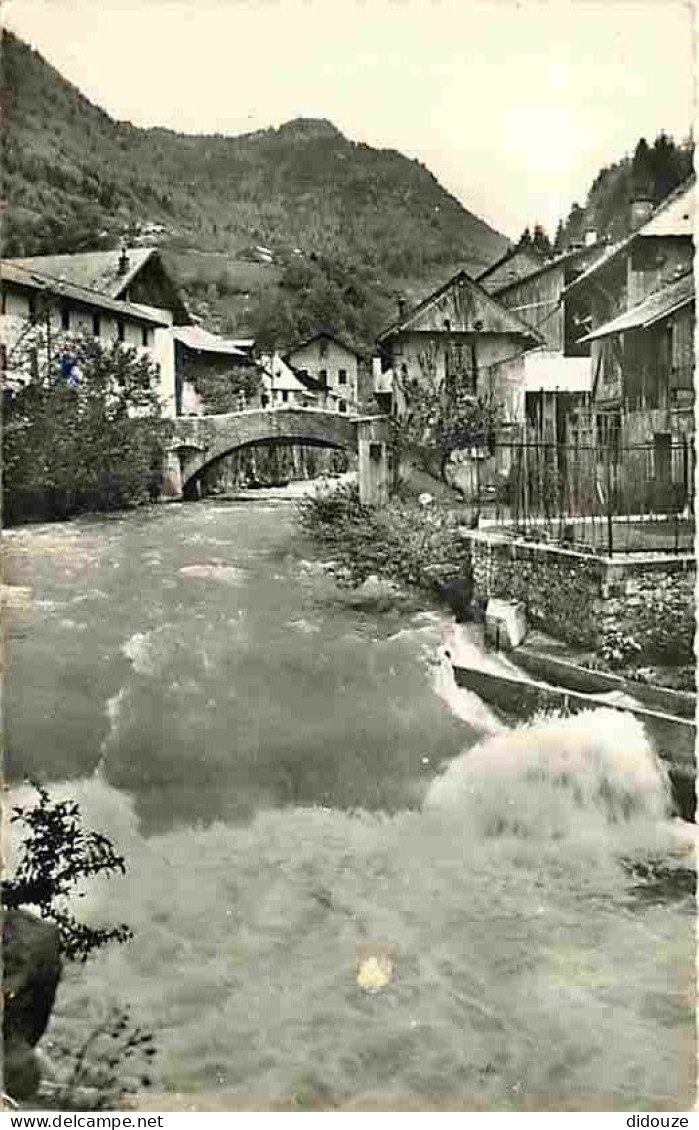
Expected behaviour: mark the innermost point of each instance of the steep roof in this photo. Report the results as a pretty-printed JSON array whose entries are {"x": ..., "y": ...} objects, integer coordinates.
[
  {"x": 284, "y": 377},
  {"x": 97, "y": 270},
  {"x": 317, "y": 337},
  {"x": 566, "y": 258},
  {"x": 674, "y": 216},
  {"x": 654, "y": 308},
  {"x": 468, "y": 308},
  {"x": 517, "y": 262},
  {"x": 60, "y": 288}
]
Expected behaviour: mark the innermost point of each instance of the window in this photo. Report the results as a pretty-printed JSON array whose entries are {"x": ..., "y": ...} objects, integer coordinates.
[
  {"x": 65, "y": 316},
  {"x": 375, "y": 452},
  {"x": 32, "y": 307},
  {"x": 121, "y": 331},
  {"x": 4, "y": 303},
  {"x": 285, "y": 396},
  {"x": 323, "y": 348},
  {"x": 342, "y": 406},
  {"x": 323, "y": 377},
  {"x": 342, "y": 376},
  {"x": 96, "y": 325},
  {"x": 144, "y": 337}
]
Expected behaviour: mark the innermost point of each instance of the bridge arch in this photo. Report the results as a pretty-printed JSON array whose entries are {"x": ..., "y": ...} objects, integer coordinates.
[{"x": 200, "y": 441}]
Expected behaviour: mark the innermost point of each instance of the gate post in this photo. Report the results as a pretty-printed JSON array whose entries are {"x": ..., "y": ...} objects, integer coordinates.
[{"x": 373, "y": 446}]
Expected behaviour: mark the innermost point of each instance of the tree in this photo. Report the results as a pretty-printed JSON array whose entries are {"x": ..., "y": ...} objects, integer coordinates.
[
  {"x": 442, "y": 418},
  {"x": 82, "y": 427},
  {"x": 525, "y": 240},
  {"x": 56, "y": 855},
  {"x": 559, "y": 239},
  {"x": 541, "y": 241}
]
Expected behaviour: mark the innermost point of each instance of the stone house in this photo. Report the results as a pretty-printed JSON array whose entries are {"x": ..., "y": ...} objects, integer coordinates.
[{"x": 333, "y": 365}]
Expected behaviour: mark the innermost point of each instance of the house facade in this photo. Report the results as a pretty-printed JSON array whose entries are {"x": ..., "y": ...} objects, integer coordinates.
[
  {"x": 36, "y": 308},
  {"x": 283, "y": 388},
  {"x": 333, "y": 364},
  {"x": 136, "y": 277},
  {"x": 212, "y": 374},
  {"x": 460, "y": 332},
  {"x": 641, "y": 337}
]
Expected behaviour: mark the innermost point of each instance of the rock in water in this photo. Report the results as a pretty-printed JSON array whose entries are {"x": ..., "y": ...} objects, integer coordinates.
[{"x": 31, "y": 972}]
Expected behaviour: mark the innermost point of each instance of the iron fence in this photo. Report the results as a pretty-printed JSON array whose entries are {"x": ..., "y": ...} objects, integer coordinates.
[{"x": 608, "y": 498}]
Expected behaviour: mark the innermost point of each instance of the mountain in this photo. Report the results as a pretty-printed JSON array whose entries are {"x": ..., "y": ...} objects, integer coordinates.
[{"x": 75, "y": 177}]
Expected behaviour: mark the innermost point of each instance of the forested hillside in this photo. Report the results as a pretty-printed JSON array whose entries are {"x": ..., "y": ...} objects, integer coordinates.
[
  {"x": 652, "y": 172},
  {"x": 71, "y": 172}
]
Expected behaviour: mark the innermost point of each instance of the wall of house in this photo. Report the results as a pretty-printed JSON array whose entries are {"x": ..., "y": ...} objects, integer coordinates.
[
  {"x": 537, "y": 302},
  {"x": 335, "y": 358},
  {"x": 426, "y": 357},
  {"x": 588, "y": 600},
  {"x": 159, "y": 346},
  {"x": 654, "y": 260}
]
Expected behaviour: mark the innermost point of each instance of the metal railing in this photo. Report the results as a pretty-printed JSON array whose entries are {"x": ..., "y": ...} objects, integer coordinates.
[{"x": 607, "y": 498}]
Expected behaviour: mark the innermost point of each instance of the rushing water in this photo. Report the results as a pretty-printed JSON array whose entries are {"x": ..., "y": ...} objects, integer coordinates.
[{"x": 292, "y": 776}]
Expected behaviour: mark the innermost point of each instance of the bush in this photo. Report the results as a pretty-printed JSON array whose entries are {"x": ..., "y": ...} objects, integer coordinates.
[
  {"x": 56, "y": 854},
  {"x": 406, "y": 543}
]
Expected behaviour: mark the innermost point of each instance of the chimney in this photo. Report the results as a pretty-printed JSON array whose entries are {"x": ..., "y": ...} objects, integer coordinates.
[
  {"x": 641, "y": 210},
  {"x": 123, "y": 264},
  {"x": 590, "y": 237},
  {"x": 402, "y": 306}
]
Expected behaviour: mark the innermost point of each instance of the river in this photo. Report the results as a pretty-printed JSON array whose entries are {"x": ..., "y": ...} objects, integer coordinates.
[{"x": 292, "y": 776}]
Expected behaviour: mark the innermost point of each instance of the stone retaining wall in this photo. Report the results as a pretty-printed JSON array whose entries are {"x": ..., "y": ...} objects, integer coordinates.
[{"x": 589, "y": 600}]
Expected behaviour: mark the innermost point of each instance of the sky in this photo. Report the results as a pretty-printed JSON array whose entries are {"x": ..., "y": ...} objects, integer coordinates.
[{"x": 514, "y": 105}]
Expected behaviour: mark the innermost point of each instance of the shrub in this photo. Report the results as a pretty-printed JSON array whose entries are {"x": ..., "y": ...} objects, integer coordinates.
[
  {"x": 56, "y": 854},
  {"x": 405, "y": 543}
]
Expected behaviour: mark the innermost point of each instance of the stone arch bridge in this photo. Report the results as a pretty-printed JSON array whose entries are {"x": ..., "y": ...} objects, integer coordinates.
[{"x": 200, "y": 441}]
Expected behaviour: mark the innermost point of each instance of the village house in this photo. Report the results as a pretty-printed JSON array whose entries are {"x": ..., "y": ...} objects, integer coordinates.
[
  {"x": 139, "y": 275},
  {"x": 461, "y": 333},
  {"x": 640, "y": 295},
  {"x": 36, "y": 307},
  {"x": 333, "y": 364},
  {"x": 516, "y": 263},
  {"x": 282, "y": 387},
  {"x": 556, "y": 377},
  {"x": 204, "y": 360}
]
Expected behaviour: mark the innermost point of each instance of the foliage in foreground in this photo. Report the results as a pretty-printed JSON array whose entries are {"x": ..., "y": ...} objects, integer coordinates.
[
  {"x": 56, "y": 854},
  {"x": 112, "y": 1061},
  {"x": 406, "y": 543}
]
